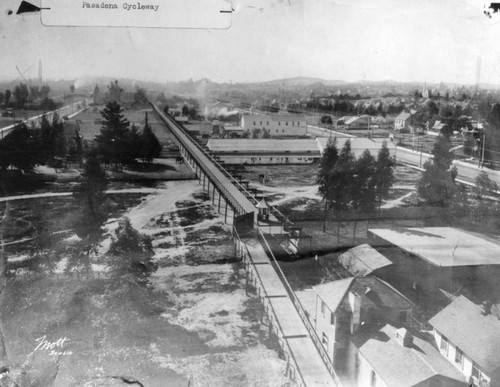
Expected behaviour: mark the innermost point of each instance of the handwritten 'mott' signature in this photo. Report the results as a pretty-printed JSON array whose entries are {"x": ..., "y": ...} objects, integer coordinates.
[{"x": 55, "y": 348}]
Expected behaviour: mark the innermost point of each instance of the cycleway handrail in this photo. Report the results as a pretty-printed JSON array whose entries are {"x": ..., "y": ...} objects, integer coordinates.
[
  {"x": 301, "y": 311},
  {"x": 272, "y": 308}
]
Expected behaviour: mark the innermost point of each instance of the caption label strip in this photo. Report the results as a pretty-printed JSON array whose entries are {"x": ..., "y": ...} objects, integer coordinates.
[{"x": 210, "y": 14}]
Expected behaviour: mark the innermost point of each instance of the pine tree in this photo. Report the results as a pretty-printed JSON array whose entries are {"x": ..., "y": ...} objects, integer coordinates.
[
  {"x": 436, "y": 186},
  {"x": 113, "y": 143},
  {"x": 326, "y": 165},
  {"x": 150, "y": 145},
  {"x": 363, "y": 185},
  {"x": 342, "y": 178},
  {"x": 383, "y": 173}
]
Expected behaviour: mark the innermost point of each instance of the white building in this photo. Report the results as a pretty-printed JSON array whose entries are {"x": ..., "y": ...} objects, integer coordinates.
[
  {"x": 265, "y": 151},
  {"x": 277, "y": 125},
  {"x": 468, "y": 336}
]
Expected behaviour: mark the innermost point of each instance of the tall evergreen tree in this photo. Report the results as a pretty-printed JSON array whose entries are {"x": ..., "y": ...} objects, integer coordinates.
[
  {"x": 150, "y": 145},
  {"x": 342, "y": 178},
  {"x": 436, "y": 186},
  {"x": 326, "y": 165},
  {"x": 113, "y": 143},
  {"x": 383, "y": 174},
  {"x": 363, "y": 184}
]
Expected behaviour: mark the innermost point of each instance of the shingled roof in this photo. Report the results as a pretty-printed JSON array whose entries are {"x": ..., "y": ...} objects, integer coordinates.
[{"x": 475, "y": 333}]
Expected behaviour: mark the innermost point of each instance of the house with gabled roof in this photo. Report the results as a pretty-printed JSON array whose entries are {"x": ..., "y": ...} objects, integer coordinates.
[
  {"x": 341, "y": 307},
  {"x": 468, "y": 336},
  {"x": 402, "y": 121},
  {"x": 385, "y": 355}
]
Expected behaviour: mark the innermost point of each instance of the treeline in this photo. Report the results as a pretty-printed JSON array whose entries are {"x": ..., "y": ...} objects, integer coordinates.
[
  {"x": 25, "y": 147},
  {"x": 347, "y": 107},
  {"x": 349, "y": 183},
  {"x": 118, "y": 143},
  {"x": 466, "y": 207},
  {"x": 32, "y": 97}
]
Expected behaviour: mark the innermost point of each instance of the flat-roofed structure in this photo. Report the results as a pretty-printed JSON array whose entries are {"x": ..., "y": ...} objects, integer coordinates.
[
  {"x": 432, "y": 263},
  {"x": 265, "y": 151},
  {"x": 442, "y": 246}
]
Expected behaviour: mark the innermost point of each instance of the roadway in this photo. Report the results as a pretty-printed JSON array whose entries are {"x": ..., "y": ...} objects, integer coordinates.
[{"x": 467, "y": 171}]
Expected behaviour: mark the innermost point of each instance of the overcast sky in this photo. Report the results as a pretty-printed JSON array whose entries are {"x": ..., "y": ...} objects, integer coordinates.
[{"x": 425, "y": 40}]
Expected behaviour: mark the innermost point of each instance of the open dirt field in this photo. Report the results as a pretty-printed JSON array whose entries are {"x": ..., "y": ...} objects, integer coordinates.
[{"x": 191, "y": 325}]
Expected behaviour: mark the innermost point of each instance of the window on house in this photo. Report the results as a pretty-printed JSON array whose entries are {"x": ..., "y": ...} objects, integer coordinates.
[
  {"x": 323, "y": 308},
  {"x": 475, "y": 371},
  {"x": 276, "y": 130},
  {"x": 324, "y": 339},
  {"x": 459, "y": 356},
  {"x": 402, "y": 316},
  {"x": 267, "y": 122},
  {"x": 332, "y": 319},
  {"x": 261, "y": 122},
  {"x": 373, "y": 379},
  {"x": 444, "y": 345},
  {"x": 254, "y": 123},
  {"x": 282, "y": 130},
  {"x": 286, "y": 123}
]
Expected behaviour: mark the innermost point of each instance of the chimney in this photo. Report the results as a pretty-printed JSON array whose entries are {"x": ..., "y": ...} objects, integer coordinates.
[
  {"x": 404, "y": 338},
  {"x": 355, "y": 303},
  {"x": 486, "y": 308}
]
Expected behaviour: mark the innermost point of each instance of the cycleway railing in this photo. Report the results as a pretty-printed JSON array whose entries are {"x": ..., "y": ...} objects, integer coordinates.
[
  {"x": 300, "y": 310},
  {"x": 283, "y": 342}
]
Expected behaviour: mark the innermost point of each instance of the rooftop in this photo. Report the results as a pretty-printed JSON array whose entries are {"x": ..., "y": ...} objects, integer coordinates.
[
  {"x": 476, "y": 334},
  {"x": 363, "y": 260},
  {"x": 403, "y": 366},
  {"x": 263, "y": 145},
  {"x": 356, "y": 118},
  {"x": 403, "y": 116},
  {"x": 274, "y": 117},
  {"x": 377, "y": 291},
  {"x": 442, "y": 246}
]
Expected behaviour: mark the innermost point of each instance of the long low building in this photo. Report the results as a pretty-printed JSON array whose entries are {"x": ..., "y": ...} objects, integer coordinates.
[
  {"x": 288, "y": 151},
  {"x": 432, "y": 262},
  {"x": 265, "y": 151}
]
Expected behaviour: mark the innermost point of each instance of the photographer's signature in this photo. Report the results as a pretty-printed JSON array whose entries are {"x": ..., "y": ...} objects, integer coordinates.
[{"x": 54, "y": 348}]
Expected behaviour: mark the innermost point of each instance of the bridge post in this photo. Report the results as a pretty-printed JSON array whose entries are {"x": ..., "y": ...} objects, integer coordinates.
[
  {"x": 225, "y": 212},
  {"x": 213, "y": 194},
  {"x": 203, "y": 181},
  {"x": 218, "y": 206}
]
